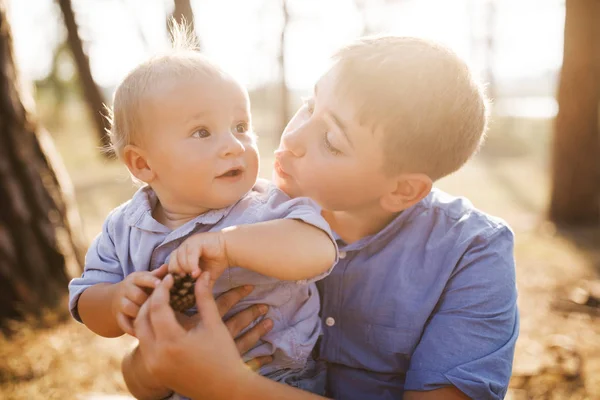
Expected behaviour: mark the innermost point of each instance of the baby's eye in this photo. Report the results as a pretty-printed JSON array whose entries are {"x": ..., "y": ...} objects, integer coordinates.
[
  {"x": 201, "y": 133},
  {"x": 241, "y": 127}
]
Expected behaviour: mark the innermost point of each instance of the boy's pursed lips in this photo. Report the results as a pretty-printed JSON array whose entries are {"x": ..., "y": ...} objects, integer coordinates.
[{"x": 278, "y": 164}]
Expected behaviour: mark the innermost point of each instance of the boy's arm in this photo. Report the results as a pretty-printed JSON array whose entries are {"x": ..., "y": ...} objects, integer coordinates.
[
  {"x": 469, "y": 341},
  {"x": 176, "y": 358},
  {"x": 138, "y": 379},
  {"x": 286, "y": 249},
  {"x": 447, "y": 393}
]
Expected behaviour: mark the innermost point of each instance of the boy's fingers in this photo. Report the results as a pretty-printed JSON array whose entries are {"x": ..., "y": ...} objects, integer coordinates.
[
  {"x": 162, "y": 317},
  {"x": 230, "y": 298},
  {"x": 207, "y": 308},
  {"x": 249, "y": 339},
  {"x": 145, "y": 280},
  {"x": 125, "y": 324},
  {"x": 129, "y": 308},
  {"x": 258, "y": 362},
  {"x": 142, "y": 327},
  {"x": 244, "y": 318}
]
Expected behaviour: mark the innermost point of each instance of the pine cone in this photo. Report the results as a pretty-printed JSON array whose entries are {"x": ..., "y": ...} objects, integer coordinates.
[{"x": 182, "y": 293}]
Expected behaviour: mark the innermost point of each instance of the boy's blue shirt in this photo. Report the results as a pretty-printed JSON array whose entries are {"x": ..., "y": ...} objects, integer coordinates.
[{"x": 427, "y": 302}]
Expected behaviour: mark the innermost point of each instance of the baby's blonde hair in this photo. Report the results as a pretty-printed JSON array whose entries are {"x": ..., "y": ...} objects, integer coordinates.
[
  {"x": 421, "y": 95},
  {"x": 181, "y": 61}
]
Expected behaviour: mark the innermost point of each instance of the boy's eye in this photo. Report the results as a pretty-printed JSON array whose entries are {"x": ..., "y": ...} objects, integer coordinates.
[
  {"x": 241, "y": 127},
  {"x": 201, "y": 134},
  {"x": 333, "y": 150},
  {"x": 310, "y": 105}
]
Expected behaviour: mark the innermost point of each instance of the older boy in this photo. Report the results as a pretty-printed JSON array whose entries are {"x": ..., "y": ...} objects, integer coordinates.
[{"x": 422, "y": 304}]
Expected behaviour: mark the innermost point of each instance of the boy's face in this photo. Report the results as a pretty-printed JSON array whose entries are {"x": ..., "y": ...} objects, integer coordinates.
[
  {"x": 327, "y": 155},
  {"x": 199, "y": 144}
]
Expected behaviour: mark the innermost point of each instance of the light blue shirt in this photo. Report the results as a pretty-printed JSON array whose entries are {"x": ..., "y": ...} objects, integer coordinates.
[
  {"x": 427, "y": 302},
  {"x": 132, "y": 240}
]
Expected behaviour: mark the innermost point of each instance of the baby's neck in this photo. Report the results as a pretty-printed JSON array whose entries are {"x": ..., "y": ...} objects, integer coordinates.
[
  {"x": 172, "y": 218},
  {"x": 353, "y": 226}
]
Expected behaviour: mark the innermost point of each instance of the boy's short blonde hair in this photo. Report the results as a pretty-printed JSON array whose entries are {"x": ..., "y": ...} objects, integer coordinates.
[
  {"x": 420, "y": 95},
  {"x": 181, "y": 62}
]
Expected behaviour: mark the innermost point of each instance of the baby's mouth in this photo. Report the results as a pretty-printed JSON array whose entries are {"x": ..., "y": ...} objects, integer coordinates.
[{"x": 232, "y": 173}]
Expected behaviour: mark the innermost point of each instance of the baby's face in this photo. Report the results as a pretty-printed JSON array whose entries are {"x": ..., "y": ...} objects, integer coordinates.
[{"x": 198, "y": 140}]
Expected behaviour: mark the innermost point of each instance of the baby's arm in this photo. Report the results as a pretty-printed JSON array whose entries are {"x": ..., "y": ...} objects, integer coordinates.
[
  {"x": 103, "y": 298},
  {"x": 292, "y": 243},
  {"x": 108, "y": 309},
  {"x": 286, "y": 249},
  {"x": 91, "y": 295}
]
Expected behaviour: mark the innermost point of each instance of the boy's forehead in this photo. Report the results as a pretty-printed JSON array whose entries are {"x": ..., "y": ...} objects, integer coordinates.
[{"x": 342, "y": 100}]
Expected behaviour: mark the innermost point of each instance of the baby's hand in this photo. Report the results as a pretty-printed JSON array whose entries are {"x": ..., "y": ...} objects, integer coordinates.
[
  {"x": 200, "y": 252},
  {"x": 133, "y": 291}
]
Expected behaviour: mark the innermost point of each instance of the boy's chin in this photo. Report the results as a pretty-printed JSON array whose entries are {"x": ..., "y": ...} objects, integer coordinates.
[{"x": 285, "y": 186}]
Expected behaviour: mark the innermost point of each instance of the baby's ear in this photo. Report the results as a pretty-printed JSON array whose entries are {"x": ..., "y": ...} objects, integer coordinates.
[
  {"x": 406, "y": 190},
  {"x": 137, "y": 164}
]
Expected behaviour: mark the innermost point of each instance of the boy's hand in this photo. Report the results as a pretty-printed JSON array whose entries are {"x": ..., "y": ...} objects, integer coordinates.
[
  {"x": 132, "y": 292},
  {"x": 200, "y": 252}
]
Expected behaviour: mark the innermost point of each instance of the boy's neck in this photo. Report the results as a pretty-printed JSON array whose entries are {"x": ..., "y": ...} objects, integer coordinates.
[{"x": 353, "y": 226}]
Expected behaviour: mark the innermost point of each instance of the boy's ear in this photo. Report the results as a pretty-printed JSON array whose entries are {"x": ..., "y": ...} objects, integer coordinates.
[
  {"x": 137, "y": 163},
  {"x": 406, "y": 191}
]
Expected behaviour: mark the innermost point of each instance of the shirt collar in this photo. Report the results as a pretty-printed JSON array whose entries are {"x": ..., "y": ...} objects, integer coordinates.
[
  {"x": 139, "y": 214},
  {"x": 390, "y": 230}
]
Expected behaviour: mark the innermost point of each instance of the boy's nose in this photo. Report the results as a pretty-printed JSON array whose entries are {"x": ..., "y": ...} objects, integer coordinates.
[
  {"x": 292, "y": 142},
  {"x": 232, "y": 147}
]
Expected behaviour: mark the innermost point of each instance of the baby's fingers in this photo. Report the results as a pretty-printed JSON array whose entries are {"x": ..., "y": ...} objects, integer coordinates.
[
  {"x": 161, "y": 271},
  {"x": 136, "y": 294},
  {"x": 125, "y": 324},
  {"x": 129, "y": 308},
  {"x": 145, "y": 280},
  {"x": 175, "y": 267},
  {"x": 189, "y": 256}
]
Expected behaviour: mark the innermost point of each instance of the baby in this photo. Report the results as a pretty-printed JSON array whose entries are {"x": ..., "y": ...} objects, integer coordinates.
[{"x": 182, "y": 126}]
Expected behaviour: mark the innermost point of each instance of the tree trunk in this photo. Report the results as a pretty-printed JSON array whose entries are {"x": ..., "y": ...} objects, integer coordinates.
[
  {"x": 40, "y": 240},
  {"x": 284, "y": 113},
  {"x": 576, "y": 153},
  {"x": 183, "y": 11},
  {"x": 93, "y": 96}
]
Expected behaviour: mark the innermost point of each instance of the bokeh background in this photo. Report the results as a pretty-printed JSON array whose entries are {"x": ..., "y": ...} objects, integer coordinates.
[{"x": 539, "y": 169}]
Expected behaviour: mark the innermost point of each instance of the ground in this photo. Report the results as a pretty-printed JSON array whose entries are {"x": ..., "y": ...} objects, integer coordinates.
[{"x": 558, "y": 352}]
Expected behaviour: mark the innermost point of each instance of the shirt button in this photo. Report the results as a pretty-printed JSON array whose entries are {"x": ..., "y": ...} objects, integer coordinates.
[
  {"x": 342, "y": 255},
  {"x": 329, "y": 321}
]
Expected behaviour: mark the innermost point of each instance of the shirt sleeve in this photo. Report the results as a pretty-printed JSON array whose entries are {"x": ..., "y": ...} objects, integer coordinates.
[
  {"x": 305, "y": 210},
  {"x": 101, "y": 266},
  {"x": 469, "y": 341}
]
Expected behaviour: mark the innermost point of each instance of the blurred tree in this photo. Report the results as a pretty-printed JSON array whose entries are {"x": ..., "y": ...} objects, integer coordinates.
[
  {"x": 40, "y": 238},
  {"x": 362, "y": 6},
  {"x": 576, "y": 153},
  {"x": 183, "y": 12},
  {"x": 92, "y": 93},
  {"x": 284, "y": 98},
  {"x": 490, "y": 48}
]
